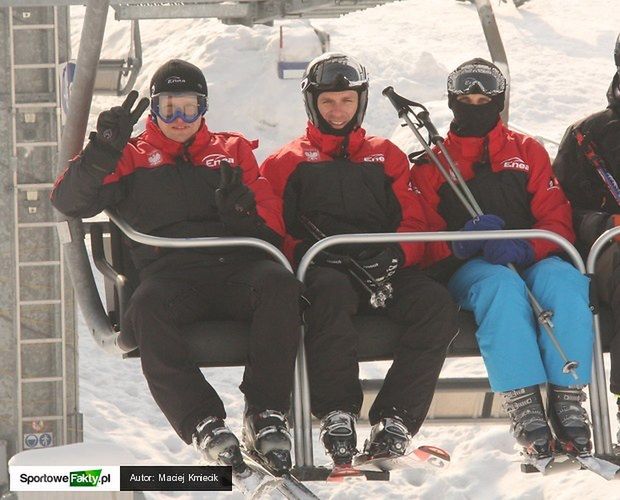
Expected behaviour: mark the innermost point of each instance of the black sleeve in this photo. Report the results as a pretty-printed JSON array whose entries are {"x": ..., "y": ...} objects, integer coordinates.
[
  {"x": 578, "y": 179},
  {"x": 79, "y": 191}
]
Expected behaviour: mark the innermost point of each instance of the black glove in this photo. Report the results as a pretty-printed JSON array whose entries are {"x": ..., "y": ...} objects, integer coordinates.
[
  {"x": 384, "y": 264},
  {"x": 115, "y": 125},
  {"x": 323, "y": 258},
  {"x": 234, "y": 200}
]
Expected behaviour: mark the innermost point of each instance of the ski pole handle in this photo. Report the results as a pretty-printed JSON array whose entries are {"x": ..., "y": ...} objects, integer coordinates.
[
  {"x": 401, "y": 107},
  {"x": 425, "y": 118}
]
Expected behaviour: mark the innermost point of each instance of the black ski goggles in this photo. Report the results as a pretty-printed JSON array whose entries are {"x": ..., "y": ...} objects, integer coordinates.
[
  {"x": 476, "y": 79},
  {"x": 188, "y": 106},
  {"x": 335, "y": 74}
]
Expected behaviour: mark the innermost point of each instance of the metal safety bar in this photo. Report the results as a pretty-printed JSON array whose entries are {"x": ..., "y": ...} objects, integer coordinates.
[
  {"x": 602, "y": 439},
  {"x": 595, "y": 403}
]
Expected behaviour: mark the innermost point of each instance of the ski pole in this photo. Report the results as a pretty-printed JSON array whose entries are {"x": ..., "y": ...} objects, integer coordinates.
[
  {"x": 379, "y": 292},
  {"x": 466, "y": 197}
]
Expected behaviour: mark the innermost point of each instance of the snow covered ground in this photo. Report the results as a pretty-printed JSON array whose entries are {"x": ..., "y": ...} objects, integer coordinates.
[{"x": 560, "y": 54}]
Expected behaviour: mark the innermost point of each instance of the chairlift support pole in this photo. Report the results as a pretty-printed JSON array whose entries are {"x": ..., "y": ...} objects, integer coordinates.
[
  {"x": 496, "y": 47},
  {"x": 70, "y": 230}
]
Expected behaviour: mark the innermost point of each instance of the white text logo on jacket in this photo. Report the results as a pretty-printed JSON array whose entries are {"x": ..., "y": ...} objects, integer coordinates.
[
  {"x": 516, "y": 163},
  {"x": 213, "y": 160},
  {"x": 377, "y": 157}
]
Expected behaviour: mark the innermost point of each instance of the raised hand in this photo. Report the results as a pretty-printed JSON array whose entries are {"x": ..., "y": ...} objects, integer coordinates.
[{"x": 115, "y": 125}]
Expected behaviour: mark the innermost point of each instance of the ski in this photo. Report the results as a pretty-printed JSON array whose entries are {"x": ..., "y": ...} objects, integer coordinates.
[
  {"x": 248, "y": 479},
  {"x": 286, "y": 484},
  {"x": 430, "y": 457},
  {"x": 603, "y": 468},
  {"x": 548, "y": 465},
  {"x": 562, "y": 462},
  {"x": 343, "y": 472}
]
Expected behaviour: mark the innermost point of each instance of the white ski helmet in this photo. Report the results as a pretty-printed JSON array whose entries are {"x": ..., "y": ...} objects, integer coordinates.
[{"x": 334, "y": 72}]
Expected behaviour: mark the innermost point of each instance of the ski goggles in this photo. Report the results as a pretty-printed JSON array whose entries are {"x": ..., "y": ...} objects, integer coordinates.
[
  {"x": 336, "y": 74},
  {"x": 188, "y": 106},
  {"x": 476, "y": 79}
]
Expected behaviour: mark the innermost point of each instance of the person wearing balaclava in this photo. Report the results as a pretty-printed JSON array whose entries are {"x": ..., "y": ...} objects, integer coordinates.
[
  {"x": 596, "y": 202},
  {"x": 510, "y": 177}
]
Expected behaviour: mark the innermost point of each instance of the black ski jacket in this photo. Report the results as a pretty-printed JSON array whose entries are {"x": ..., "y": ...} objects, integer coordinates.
[{"x": 592, "y": 202}]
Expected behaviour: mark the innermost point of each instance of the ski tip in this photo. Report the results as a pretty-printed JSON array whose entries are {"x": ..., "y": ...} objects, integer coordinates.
[
  {"x": 345, "y": 473},
  {"x": 427, "y": 451}
]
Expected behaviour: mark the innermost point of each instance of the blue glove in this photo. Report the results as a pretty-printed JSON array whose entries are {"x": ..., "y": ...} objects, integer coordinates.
[
  {"x": 517, "y": 252},
  {"x": 466, "y": 249}
]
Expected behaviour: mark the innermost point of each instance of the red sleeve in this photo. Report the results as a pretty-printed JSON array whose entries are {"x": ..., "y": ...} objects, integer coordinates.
[
  {"x": 413, "y": 215},
  {"x": 268, "y": 205},
  {"x": 427, "y": 180},
  {"x": 276, "y": 169},
  {"x": 549, "y": 205}
]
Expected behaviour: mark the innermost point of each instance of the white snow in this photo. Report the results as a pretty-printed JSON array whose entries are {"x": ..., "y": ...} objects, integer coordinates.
[{"x": 560, "y": 55}]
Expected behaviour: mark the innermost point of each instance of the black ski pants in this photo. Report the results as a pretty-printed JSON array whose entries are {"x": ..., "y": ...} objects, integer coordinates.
[
  {"x": 607, "y": 274},
  {"x": 422, "y": 304},
  {"x": 262, "y": 292}
]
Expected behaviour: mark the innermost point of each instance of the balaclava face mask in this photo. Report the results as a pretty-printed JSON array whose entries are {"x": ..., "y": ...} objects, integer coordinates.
[{"x": 472, "y": 120}]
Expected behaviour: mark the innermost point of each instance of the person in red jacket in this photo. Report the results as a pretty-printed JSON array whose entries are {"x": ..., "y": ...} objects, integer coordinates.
[
  {"x": 336, "y": 180},
  {"x": 179, "y": 179},
  {"x": 510, "y": 176}
]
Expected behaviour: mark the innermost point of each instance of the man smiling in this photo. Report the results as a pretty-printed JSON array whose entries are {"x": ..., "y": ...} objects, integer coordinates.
[
  {"x": 177, "y": 179},
  {"x": 338, "y": 180}
]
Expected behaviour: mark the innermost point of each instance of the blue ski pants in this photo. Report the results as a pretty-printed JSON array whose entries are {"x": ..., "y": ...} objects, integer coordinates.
[{"x": 517, "y": 351}]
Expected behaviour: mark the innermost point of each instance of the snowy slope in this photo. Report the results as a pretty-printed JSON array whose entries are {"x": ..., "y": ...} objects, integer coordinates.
[{"x": 560, "y": 54}]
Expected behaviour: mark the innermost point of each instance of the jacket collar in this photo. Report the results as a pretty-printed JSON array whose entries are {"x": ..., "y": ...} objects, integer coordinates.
[
  {"x": 471, "y": 147},
  {"x": 154, "y": 136},
  {"x": 330, "y": 144}
]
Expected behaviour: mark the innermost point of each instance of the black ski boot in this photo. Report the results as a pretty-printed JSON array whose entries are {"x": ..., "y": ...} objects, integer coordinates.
[
  {"x": 388, "y": 437},
  {"x": 529, "y": 425},
  {"x": 339, "y": 437},
  {"x": 569, "y": 419},
  {"x": 217, "y": 444},
  {"x": 266, "y": 435}
]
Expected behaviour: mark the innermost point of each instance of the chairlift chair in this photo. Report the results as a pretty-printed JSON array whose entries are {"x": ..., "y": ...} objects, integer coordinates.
[{"x": 295, "y": 69}]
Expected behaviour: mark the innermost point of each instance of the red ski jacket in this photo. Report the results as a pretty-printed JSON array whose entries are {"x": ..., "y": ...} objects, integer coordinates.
[
  {"x": 165, "y": 188},
  {"x": 361, "y": 188},
  {"x": 516, "y": 183}
]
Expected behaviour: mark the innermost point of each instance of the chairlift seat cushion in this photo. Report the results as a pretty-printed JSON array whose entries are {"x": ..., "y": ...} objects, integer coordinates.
[{"x": 225, "y": 343}]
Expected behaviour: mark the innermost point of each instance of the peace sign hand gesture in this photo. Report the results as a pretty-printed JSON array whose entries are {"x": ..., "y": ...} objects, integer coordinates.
[{"x": 115, "y": 125}]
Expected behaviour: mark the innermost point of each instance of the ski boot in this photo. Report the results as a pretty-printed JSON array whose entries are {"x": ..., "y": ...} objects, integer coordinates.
[
  {"x": 217, "y": 444},
  {"x": 528, "y": 423},
  {"x": 388, "y": 437},
  {"x": 339, "y": 437},
  {"x": 569, "y": 419},
  {"x": 266, "y": 435}
]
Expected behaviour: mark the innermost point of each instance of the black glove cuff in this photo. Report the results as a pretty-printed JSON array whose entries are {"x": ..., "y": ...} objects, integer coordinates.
[{"x": 100, "y": 157}]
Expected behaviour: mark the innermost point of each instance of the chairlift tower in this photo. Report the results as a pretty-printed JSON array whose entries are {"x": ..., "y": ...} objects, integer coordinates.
[{"x": 38, "y": 357}]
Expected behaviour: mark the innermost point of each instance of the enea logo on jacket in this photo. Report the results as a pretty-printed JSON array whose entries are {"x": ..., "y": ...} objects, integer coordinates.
[
  {"x": 213, "y": 160},
  {"x": 377, "y": 157},
  {"x": 516, "y": 163}
]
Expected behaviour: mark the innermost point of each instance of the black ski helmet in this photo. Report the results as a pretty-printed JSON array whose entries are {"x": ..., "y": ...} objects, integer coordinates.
[
  {"x": 334, "y": 72},
  {"x": 477, "y": 76}
]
